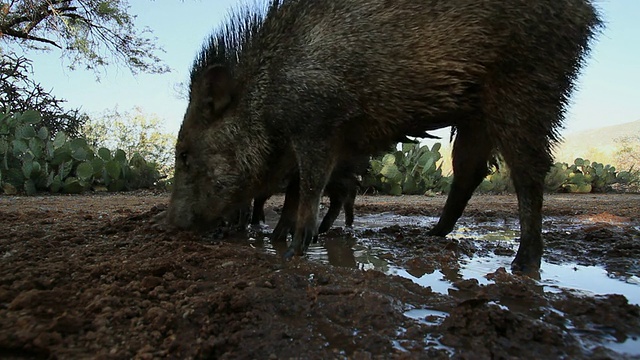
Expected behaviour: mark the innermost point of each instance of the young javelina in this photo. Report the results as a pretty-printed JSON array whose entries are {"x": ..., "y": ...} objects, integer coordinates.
[
  {"x": 341, "y": 189},
  {"x": 317, "y": 82}
]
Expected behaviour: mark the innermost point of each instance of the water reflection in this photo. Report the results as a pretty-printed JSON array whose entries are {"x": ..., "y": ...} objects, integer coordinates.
[
  {"x": 360, "y": 248},
  {"x": 351, "y": 249}
]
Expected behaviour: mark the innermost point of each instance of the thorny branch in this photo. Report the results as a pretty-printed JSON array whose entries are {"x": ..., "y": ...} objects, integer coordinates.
[{"x": 88, "y": 31}]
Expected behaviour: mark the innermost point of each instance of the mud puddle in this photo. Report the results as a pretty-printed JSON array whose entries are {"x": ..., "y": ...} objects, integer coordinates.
[
  {"x": 379, "y": 242},
  {"x": 352, "y": 248}
]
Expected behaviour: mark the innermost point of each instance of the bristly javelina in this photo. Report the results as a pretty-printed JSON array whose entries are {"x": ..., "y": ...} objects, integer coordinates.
[
  {"x": 225, "y": 48},
  {"x": 341, "y": 189},
  {"x": 318, "y": 82}
]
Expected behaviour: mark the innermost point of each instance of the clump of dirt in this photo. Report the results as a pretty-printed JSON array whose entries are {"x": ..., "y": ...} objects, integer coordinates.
[{"x": 90, "y": 276}]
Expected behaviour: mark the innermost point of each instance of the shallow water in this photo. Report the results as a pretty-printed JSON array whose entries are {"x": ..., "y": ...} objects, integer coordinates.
[
  {"x": 367, "y": 253},
  {"x": 354, "y": 249}
]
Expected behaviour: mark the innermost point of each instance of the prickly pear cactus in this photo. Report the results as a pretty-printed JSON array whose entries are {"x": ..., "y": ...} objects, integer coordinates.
[
  {"x": 412, "y": 170},
  {"x": 31, "y": 161}
]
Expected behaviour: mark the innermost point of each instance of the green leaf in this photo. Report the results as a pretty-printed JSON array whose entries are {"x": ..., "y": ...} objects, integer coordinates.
[
  {"x": 60, "y": 139},
  {"x": 104, "y": 154},
  {"x": 390, "y": 171},
  {"x": 395, "y": 190},
  {"x": 56, "y": 185},
  {"x": 31, "y": 117},
  {"x": 37, "y": 147},
  {"x": 399, "y": 155},
  {"x": 25, "y": 132},
  {"x": 80, "y": 154},
  {"x": 98, "y": 165},
  {"x": 14, "y": 177},
  {"x": 114, "y": 169},
  {"x": 73, "y": 185},
  {"x": 37, "y": 168},
  {"x": 50, "y": 150},
  {"x": 389, "y": 159},
  {"x": 126, "y": 172},
  {"x": 137, "y": 161},
  {"x": 65, "y": 169},
  {"x": 30, "y": 187},
  {"x": 61, "y": 155},
  {"x": 429, "y": 166},
  {"x": 410, "y": 185},
  {"x": 116, "y": 185},
  {"x": 376, "y": 166},
  {"x": 27, "y": 168},
  {"x": 406, "y": 147},
  {"x": 4, "y": 146},
  {"x": 84, "y": 171},
  {"x": 19, "y": 147},
  {"x": 43, "y": 133},
  {"x": 50, "y": 178},
  {"x": 577, "y": 188},
  {"x": 120, "y": 156},
  {"x": 78, "y": 143}
]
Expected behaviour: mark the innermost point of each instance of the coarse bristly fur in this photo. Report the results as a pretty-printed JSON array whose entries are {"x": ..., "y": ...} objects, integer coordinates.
[
  {"x": 225, "y": 46},
  {"x": 295, "y": 89}
]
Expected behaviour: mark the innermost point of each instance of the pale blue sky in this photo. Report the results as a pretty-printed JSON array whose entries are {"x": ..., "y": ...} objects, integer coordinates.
[{"x": 608, "y": 91}]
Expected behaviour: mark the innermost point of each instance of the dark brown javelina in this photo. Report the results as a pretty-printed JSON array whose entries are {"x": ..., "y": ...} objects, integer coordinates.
[
  {"x": 341, "y": 189},
  {"x": 319, "y": 82}
]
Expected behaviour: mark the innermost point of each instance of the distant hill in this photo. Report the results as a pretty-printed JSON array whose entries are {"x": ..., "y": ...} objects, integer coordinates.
[{"x": 599, "y": 144}]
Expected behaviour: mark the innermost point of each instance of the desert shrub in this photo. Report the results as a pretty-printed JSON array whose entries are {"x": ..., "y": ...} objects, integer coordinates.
[
  {"x": 134, "y": 132},
  {"x": 32, "y": 160},
  {"x": 20, "y": 93}
]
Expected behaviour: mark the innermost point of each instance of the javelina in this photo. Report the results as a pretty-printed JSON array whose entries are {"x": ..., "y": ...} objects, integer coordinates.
[
  {"x": 317, "y": 82},
  {"x": 341, "y": 190}
]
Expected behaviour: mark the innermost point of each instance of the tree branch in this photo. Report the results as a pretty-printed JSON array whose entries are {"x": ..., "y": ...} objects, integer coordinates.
[{"x": 23, "y": 35}]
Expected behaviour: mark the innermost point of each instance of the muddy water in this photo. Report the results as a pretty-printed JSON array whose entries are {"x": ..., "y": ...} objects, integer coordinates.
[
  {"x": 353, "y": 249},
  {"x": 367, "y": 246}
]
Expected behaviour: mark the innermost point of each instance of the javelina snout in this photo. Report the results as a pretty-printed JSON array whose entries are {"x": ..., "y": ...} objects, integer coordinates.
[
  {"x": 207, "y": 186},
  {"x": 310, "y": 84}
]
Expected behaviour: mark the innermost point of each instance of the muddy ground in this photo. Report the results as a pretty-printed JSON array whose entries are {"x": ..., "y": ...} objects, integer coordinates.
[{"x": 89, "y": 277}]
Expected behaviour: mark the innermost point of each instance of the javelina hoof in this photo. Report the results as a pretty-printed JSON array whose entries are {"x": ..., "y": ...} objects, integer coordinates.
[
  {"x": 438, "y": 231},
  {"x": 530, "y": 267},
  {"x": 159, "y": 221},
  {"x": 159, "y": 217},
  {"x": 290, "y": 253}
]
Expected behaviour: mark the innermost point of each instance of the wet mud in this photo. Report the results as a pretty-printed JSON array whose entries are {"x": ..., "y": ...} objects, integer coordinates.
[{"x": 90, "y": 277}]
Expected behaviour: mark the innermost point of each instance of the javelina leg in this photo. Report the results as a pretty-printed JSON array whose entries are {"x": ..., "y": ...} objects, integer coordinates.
[
  {"x": 336, "y": 201},
  {"x": 314, "y": 170},
  {"x": 471, "y": 151},
  {"x": 240, "y": 218},
  {"x": 257, "y": 214},
  {"x": 287, "y": 219},
  {"x": 348, "y": 205},
  {"x": 528, "y": 163}
]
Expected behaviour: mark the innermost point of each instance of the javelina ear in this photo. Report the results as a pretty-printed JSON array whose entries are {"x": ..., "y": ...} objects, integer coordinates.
[{"x": 220, "y": 85}]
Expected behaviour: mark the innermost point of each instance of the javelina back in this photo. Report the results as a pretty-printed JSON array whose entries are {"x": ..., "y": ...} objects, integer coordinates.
[{"x": 317, "y": 82}]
